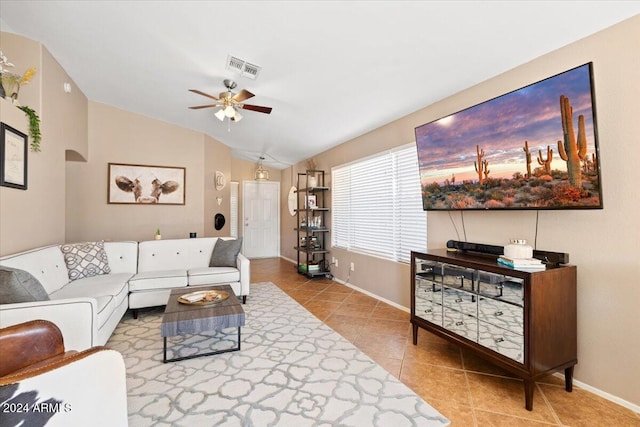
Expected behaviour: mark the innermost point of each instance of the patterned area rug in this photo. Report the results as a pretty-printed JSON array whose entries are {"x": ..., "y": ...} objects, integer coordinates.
[{"x": 292, "y": 370}]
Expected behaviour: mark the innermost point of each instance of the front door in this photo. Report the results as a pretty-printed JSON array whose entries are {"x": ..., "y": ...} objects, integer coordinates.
[{"x": 261, "y": 219}]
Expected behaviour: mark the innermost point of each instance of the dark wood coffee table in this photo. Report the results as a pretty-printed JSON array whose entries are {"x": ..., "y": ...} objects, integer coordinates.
[{"x": 185, "y": 319}]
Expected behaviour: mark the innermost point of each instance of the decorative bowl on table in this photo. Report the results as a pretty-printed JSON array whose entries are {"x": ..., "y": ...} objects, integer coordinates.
[{"x": 203, "y": 297}]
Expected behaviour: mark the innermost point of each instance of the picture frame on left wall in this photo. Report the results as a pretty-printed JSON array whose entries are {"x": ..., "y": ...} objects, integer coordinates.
[
  {"x": 13, "y": 157},
  {"x": 146, "y": 184}
]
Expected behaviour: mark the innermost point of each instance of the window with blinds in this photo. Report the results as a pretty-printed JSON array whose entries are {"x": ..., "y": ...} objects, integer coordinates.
[{"x": 376, "y": 205}]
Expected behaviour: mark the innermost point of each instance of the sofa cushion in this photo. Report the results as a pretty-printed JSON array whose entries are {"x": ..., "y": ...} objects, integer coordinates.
[
  {"x": 85, "y": 259},
  {"x": 213, "y": 275},
  {"x": 19, "y": 286},
  {"x": 109, "y": 290},
  {"x": 161, "y": 279},
  {"x": 114, "y": 285},
  {"x": 225, "y": 253}
]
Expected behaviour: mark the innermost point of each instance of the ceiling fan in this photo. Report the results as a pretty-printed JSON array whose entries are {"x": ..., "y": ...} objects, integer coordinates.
[{"x": 230, "y": 102}]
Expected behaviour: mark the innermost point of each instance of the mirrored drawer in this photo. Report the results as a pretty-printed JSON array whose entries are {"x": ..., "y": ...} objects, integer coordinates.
[
  {"x": 458, "y": 277},
  {"x": 429, "y": 311},
  {"x": 429, "y": 270},
  {"x": 502, "y": 341},
  {"x": 460, "y": 323},
  {"x": 501, "y": 287},
  {"x": 505, "y": 315},
  {"x": 513, "y": 290},
  {"x": 459, "y": 300},
  {"x": 429, "y": 290}
]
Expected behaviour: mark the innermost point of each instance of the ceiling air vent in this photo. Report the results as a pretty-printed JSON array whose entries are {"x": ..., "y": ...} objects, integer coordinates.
[
  {"x": 243, "y": 67},
  {"x": 235, "y": 64},
  {"x": 250, "y": 70}
]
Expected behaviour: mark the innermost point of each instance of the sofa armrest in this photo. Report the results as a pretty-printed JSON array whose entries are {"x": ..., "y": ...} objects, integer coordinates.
[
  {"x": 27, "y": 344},
  {"x": 244, "y": 266},
  {"x": 75, "y": 317},
  {"x": 86, "y": 388}
]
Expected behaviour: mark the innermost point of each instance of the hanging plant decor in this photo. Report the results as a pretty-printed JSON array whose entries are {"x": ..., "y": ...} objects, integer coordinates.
[{"x": 34, "y": 127}]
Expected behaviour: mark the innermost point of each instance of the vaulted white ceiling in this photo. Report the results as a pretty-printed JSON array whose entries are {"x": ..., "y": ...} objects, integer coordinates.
[{"x": 330, "y": 70}]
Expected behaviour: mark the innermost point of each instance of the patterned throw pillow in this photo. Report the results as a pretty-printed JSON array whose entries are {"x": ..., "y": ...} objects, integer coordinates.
[{"x": 85, "y": 259}]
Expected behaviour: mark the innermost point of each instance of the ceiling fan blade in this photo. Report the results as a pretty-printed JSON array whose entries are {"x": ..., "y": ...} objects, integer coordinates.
[
  {"x": 197, "y": 107},
  {"x": 203, "y": 94},
  {"x": 242, "y": 95},
  {"x": 266, "y": 110}
]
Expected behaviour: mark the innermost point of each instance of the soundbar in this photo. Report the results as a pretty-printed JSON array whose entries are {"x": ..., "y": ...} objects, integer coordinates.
[
  {"x": 548, "y": 257},
  {"x": 475, "y": 247}
]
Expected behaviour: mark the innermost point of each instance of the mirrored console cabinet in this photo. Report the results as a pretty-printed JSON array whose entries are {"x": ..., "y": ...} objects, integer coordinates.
[{"x": 522, "y": 321}]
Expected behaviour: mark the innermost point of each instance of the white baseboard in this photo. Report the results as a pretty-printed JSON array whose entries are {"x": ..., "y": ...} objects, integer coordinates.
[
  {"x": 608, "y": 396},
  {"x": 378, "y": 297},
  {"x": 292, "y": 261},
  {"x": 349, "y": 285},
  {"x": 615, "y": 399}
]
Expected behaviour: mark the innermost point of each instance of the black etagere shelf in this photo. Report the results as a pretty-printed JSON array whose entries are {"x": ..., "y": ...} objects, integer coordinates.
[{"x": 312, "y": 233}]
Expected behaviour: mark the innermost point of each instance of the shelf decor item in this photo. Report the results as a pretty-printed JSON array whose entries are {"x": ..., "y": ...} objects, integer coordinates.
[
  {"x": 11, "y": 81},
  {"x": 311, "y": 201},
  {"x": 313, "y": 181}
]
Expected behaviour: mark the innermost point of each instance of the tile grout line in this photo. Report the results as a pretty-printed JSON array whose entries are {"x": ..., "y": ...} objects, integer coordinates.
[
  {"x": 553, "y": 411},
  {"x": 466, "y": 380}
]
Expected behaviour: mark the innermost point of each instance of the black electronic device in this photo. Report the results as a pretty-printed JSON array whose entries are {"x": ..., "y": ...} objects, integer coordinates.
[
  {"x": 551, "y": 258},
  {"x": 548, "y": 257},
  {"x": 475, "y": 247}
]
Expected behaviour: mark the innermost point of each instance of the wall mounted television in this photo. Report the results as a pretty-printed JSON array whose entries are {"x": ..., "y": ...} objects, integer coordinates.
[{"x": 534, "y": 148}]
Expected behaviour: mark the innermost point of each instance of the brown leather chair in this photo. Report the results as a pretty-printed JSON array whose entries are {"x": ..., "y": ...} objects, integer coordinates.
[
  {"x": 74, "y": 388},
  {"x": 32, "y": 345}
]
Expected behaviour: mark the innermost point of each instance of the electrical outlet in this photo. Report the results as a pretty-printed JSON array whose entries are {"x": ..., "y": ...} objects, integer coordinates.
[
  {"x": 352, "y": 267},
  {"x": 335, "y": 262}
]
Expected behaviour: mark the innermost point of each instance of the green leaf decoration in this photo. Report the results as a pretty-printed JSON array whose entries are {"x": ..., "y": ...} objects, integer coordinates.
[{"x": 34, "y": 127}]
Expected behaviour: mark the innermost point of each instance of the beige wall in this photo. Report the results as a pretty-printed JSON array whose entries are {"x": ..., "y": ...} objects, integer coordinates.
[
  {"x": 36, "y": 217},
  {"x": 217, "y": 158},
  {"x": 64, "y": 115},
  {"x": 117, "y": 136},
  {"x": 604, "y": 244}
]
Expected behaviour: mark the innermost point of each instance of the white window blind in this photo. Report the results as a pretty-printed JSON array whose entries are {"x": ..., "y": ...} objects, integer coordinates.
[
  {"x": 376, "y": 205},
  {"x": 233, "y": 232}
]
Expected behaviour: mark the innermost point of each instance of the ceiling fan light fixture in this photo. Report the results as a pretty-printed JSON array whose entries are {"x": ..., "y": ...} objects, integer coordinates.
[
  {"x": 229, "y": 111},
  {"x": 220, "y": 114},
  {"x": 237, "y": 116}
]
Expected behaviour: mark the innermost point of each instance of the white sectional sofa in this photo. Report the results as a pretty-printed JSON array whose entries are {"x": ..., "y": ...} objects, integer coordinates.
[
  {"x": 167, "y": 264},
  {"x": 87, "y": 310}
]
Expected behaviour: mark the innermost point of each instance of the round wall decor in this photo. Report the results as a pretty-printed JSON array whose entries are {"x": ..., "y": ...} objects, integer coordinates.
[
  {"x": 221, "y": 181},
  {"x": 292, "y": 200},
  {"x": 218, "y": 221}
]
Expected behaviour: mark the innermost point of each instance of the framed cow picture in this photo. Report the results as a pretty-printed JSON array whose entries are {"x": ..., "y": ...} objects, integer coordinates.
[{"x": 146, "y": 185}]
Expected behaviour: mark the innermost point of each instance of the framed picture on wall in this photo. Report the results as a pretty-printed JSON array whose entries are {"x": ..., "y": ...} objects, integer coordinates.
[
  {"x": 13, "y": 157},
  {"x": 145, "y": 184}
]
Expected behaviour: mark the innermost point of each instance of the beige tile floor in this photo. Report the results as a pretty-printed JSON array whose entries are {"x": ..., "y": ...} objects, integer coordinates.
[{"x": 467, "y": 390}]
